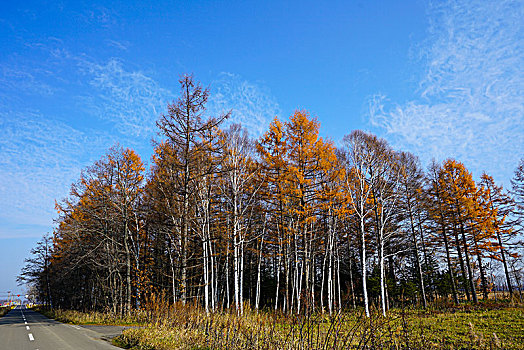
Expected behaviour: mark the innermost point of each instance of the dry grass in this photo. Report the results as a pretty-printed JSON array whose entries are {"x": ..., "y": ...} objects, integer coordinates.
[
  {"x": 4, "y": 310},
  {"x": 94, "y": 317},
  {"x": 165, "y": 326},
  {"x": 191, "y": 328}
]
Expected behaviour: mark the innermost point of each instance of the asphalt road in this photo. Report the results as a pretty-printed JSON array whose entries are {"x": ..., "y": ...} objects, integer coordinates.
[{"x": 25, "y": 329}]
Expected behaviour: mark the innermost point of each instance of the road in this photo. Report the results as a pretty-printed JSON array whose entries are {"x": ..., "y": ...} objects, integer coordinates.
[{"x": 25, "y": 329}]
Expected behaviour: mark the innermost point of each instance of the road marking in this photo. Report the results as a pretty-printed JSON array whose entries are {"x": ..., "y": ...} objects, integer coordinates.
[
  {"x": 76, "y": 326},
  {"x": 27, "y": 327},
  {"x": 31, "y": 337}
]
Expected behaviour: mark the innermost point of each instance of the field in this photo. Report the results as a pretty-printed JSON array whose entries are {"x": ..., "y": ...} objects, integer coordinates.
[{"x": 488, "y": 326}]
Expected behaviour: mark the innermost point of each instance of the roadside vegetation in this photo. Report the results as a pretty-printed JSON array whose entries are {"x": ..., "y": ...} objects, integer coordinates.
[
  {"x": 487, "y": 325},
  {"x": 93, "y": 317},
  {"x": 4, "y": 310},
  {"x": 488, "y": 329}
]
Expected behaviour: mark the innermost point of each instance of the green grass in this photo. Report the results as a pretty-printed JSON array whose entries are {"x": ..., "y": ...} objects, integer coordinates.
[{"x": 472, "y": 329}]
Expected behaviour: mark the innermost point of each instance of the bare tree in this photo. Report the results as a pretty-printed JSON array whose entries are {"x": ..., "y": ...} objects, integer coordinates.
[{"x": 185, "y": 130}]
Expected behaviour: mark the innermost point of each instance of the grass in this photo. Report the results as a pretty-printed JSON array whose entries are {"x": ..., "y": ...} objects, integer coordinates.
[
  {"x": 486, "y": 326},
  {"x": 482, "y": 329},
  {"x": 489, "y": 329},
  {"x": 4, "y": 310},
  {"x": 93, "y": 317}
]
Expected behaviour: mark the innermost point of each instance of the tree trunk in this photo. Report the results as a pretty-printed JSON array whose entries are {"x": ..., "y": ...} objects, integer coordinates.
[
  {"x": 417, "y": 258},
  {"x": 363, "y": 263},
  {"x": 461, "y": 262},
  {"x": 468, "y": 264},
  {"x": 504, "y": 263}
]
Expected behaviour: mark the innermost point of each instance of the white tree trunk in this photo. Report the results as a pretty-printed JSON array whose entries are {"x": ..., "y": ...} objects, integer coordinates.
[
  {"x": 382, "y": 277},
  {"x": 364, "y": 272}
]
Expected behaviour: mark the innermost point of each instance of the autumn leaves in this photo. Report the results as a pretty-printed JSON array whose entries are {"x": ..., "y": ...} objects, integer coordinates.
[{"x": 287, "y": 221}]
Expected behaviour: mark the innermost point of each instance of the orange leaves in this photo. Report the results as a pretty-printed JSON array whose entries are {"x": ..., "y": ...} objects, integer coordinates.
[
  {"x": 98, "y": 200},
  {"x": 309, "y": 158},
  {"x": 311, "y": 162},
  {"x": 458, "y": 189},
  {"x": 300, "y": 171}
]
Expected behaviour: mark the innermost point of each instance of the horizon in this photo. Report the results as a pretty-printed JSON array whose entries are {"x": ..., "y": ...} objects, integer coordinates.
[{"x": 438, "y": 80}]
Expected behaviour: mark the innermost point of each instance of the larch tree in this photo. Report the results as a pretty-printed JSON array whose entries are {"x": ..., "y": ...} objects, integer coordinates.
[
  {"x": 272, "y": 150},
  {"x": 309, "y": 159},
  {"x": 499, "y": 224},
  {"x": 459, "y": 195},
  {"x": 185, "y": 127},
  {"x": 128, "y": 178},
  {"x": 437, "y": 210},
  {"x": 411, "y": 177}
]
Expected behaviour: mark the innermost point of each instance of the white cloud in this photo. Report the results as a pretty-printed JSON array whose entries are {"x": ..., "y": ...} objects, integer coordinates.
[
  {"x": 23, "y": 81},
  {"x": 252, "y": 105},
  {"x": 130, "y": 99},
  {"x": 40, "y": 159},
  {"x": 99, "y": 15},
  {"x": 44, "y": 146},
  {"x": 471, "y": 100},
  {"x": 122, "y": 45}
]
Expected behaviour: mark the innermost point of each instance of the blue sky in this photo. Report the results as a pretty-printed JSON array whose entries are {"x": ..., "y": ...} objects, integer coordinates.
[{"x": 440, "y": 79}]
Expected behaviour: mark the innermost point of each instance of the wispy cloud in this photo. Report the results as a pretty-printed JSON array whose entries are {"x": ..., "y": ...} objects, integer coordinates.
[
  {"x": 133, "y": 101},
  {"x": 40, "y": 159},
  {"x": 43, "y": 150},
  {"x": 99, "y": 15},
  {"x": 471, "y": 102},
  {"x": 252, "y": 104},
  {"x": 130, "y": 99},
  {"x": 22, "y": 81},
  {"x": 122, "y": 45}
]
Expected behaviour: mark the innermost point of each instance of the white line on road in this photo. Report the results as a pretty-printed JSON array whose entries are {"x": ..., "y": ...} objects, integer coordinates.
[
  {"x": 76, "y": 327},
  {"x": 31, "y": 337},
  {"x": 27, "y": 327}
]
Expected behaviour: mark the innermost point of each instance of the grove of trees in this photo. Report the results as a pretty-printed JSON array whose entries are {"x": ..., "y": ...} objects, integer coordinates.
[{"x": 288, "y": 221}]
